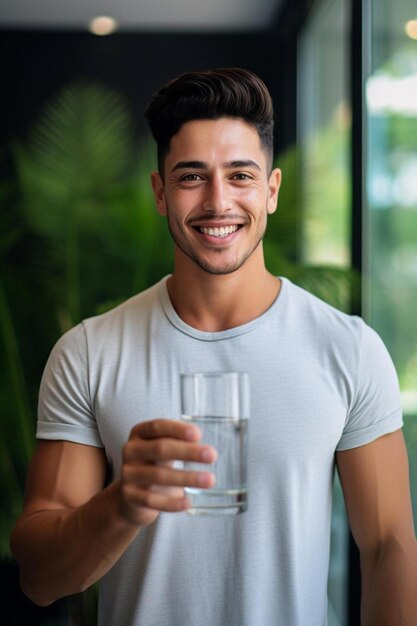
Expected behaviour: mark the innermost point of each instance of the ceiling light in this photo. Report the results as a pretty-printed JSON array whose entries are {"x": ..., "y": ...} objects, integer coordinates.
[
  {"x": 411, "y": 29},
  {"x": 103, "y": 25}
]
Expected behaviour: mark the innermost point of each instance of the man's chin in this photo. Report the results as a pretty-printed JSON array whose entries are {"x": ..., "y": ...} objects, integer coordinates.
[
  {"x": 218, "y": 269},
  {"x": 215, "y": 271}
]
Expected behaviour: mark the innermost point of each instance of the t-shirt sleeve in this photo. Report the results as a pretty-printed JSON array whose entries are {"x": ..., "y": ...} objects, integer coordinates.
[
  {"x": 376, "y": 406},
  {"x": 64, "y": 409}
]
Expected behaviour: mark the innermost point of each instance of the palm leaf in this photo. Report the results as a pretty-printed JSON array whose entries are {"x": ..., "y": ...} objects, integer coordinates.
[
  {"x": 78, "y": 150},
  {"x": 78, "y": 153}
]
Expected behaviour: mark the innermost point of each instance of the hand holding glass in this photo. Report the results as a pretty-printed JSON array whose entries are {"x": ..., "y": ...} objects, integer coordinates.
[{"x": 218, "y": 403}]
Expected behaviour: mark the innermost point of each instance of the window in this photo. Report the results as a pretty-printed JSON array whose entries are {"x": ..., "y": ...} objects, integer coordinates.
[
  {"x": 323, "y": 139},
  {"x": 390, "y": 224},
  {"x": 324, "y": 134}
]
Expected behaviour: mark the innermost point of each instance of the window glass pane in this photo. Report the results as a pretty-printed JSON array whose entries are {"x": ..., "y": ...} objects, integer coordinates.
[
  {"x": 390, "y": 245},
  {"x": 324, "y": 134},
  {"x": 324, "y": 157}
]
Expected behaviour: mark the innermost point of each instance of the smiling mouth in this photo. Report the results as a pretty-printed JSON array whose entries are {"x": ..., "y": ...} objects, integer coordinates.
[{"x": 222, "y": 231}]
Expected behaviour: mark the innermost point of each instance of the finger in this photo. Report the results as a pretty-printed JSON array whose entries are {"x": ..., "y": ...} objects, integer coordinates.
[
  {"x": 161, "y": 427},
  {"x": 157, "y": 475},
  {"x": 164, "y": 449},
  {"x": 156, "y": 500}
]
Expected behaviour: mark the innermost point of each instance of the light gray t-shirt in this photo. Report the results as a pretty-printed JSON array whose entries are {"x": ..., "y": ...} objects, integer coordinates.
[{"x": 321, "y": 381}]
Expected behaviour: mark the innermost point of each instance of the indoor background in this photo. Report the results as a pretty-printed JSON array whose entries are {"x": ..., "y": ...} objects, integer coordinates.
[{"x": 78, "y": 229}]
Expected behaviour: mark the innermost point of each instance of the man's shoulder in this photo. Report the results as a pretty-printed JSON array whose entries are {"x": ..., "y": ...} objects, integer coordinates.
[
  {"x": 308, "y": 301},
  {"x": 319, "y": 318},
  {"x": 134, "y": 308},
  {"x": 106, "y": 328}
]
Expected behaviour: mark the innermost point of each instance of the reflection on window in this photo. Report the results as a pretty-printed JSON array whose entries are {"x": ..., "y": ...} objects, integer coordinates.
[
  {"x": 323, "y": 135},
  {"x": 324, "y": 157},
  {"x": 390, "y": 297}
]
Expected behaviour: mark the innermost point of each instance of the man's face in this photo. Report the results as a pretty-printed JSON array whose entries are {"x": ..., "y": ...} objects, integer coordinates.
[{"x": 216, "y": 193}]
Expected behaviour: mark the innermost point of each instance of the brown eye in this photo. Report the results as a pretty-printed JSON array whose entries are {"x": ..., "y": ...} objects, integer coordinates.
[
  {"x": 191, "y": 178},
  {"x": 241, "y": 176}
]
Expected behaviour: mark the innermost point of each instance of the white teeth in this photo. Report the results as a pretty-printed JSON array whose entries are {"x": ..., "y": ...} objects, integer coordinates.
[{"x": 223, "y": 231}]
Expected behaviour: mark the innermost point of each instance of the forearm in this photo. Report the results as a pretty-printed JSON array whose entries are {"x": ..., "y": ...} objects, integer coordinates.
[
  {"x": 389, "y": 587},
  {"x": 64, "y": 551}
]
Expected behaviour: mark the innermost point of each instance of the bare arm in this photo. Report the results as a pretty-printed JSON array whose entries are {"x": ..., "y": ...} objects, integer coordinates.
[
  {"x": 376, "y": 488},
  {"x": 73, "y": 529}
]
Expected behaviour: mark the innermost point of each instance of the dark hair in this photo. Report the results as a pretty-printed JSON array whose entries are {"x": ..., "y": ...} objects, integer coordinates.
[{"x": 224, "y": 92}]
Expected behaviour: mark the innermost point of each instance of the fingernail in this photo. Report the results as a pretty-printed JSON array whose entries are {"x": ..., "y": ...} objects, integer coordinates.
[
  {"x": 204, "y": 480},
  {"x": 183, "y": 503},
  {"x": 207, "y": 455},
  {"x": 191, "y": 433}
]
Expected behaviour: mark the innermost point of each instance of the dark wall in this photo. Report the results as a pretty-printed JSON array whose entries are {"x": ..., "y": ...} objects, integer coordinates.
[{"x": 34, "y": 66}]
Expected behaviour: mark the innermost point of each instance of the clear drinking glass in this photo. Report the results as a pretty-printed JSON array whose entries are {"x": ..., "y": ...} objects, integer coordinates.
[{"x": 218, "y": 403}]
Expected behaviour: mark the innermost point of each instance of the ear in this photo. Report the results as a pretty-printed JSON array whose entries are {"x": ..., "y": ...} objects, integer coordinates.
[
  {"x": 159, "y": 193},
  {"x": 274, "y": 184}
]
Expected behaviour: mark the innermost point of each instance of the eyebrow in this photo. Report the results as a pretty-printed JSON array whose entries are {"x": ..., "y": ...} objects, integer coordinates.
[
  {"x": 201, "y": 165},
  {"x": 193, "y": 165},
  {"x": 242, "y": 163}
]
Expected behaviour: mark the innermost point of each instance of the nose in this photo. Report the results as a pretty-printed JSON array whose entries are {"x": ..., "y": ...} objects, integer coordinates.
[{"x": 217, "y": 198}]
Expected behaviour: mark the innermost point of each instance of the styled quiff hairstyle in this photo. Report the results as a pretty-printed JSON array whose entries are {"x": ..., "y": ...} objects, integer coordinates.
[{"x": 212, "y": 94}]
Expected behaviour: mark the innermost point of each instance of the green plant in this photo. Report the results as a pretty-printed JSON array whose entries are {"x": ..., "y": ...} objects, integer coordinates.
[
  {"x": 17, "y": 424},
  {"x": 85, "y": 187},
  {"x": 78, "y": 233}
]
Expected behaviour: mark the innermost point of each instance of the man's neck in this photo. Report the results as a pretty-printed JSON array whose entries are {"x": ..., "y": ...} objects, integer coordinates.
[{"x": 214, "y": 303}]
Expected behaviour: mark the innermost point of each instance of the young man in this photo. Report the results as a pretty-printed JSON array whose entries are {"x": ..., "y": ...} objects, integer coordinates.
[{"x": 323, "y": 389}]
